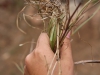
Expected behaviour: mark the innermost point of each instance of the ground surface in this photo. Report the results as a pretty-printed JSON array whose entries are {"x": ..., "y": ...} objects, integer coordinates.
[{"x": 11, "y": 37}]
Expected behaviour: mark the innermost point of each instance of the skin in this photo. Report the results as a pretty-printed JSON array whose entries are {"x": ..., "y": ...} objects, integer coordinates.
[{"x": 38, "y": 61}]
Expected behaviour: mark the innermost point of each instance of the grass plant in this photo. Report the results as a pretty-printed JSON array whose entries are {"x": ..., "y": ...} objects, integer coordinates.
[{"x": 61, "y": 21}]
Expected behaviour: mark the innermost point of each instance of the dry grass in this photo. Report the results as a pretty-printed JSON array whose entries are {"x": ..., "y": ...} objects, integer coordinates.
[{"x": 60, "y": 22}]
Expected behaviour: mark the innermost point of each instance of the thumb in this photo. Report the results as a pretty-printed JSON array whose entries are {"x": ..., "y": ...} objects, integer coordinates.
[
  {"x": 43, "y": 40},
  {"x": 43, "y": 47}
]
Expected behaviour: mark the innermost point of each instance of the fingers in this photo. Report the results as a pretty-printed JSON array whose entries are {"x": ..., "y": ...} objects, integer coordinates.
[
  {"x": 66, "y": 58},
  {"x": 41, "y": 57},
  {"x": 43, "y": 46},
  {"x": 66, "y": 50},
  {"x": 43, "y": 40}
]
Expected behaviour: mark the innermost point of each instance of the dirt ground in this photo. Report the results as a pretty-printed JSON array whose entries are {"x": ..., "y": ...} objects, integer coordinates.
[{"x": 11, "y": 37}]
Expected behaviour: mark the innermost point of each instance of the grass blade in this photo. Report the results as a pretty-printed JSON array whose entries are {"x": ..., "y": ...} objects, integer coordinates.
[
  {"x": 86, "y": 20},
  {"x": 19, "y": 68}
]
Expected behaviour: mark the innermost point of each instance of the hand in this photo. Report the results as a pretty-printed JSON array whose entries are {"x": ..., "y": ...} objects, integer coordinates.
[{"x": 39, "y": 60}]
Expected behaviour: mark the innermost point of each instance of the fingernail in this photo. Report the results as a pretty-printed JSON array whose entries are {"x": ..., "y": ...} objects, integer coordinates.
[{"x": 68, "y": 35}]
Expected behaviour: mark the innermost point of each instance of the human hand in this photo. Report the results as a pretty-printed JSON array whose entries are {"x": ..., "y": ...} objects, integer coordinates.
[{"x": 38, "y": 61}]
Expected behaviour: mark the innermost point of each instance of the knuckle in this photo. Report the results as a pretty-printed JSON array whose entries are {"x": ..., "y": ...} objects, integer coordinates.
[
  {"x": 37, "y": 51},
  {"x": 27, "y": 59}
]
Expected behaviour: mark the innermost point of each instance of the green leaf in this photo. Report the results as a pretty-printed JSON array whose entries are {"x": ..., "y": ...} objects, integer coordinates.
[{"x": 53, "y": 32}]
